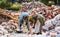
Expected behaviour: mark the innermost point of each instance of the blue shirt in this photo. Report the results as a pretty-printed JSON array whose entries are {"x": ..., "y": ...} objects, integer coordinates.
[{"x": 24, "y": 14}]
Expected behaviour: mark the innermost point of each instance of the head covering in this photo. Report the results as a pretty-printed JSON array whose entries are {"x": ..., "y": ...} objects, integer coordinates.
[{"x": 34, "y": 11}]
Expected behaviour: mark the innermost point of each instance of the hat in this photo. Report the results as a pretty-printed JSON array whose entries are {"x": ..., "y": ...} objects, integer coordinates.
[{"x": 34, "y": 10}]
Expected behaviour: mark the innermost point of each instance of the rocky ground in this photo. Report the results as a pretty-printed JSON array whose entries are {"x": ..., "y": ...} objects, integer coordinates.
[
  {"x": 12, "y": 33},
  {"x": 8, "y": 26},
  {"x": 23, "y": 35}
]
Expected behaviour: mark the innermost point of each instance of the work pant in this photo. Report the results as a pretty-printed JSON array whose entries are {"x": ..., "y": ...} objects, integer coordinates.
[{"x": 21, "y": 21}]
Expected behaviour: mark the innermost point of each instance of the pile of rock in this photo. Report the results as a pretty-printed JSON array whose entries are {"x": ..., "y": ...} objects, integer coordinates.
[
  {"x": 10, "y": 26},
  {"x": 52, "y": 26},
  {"x": 29, "y": 6},
  {"x": 4, "y": 18}
]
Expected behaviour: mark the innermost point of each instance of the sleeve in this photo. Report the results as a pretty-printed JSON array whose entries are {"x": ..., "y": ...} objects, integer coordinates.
[{"x": 29, "y": 18}]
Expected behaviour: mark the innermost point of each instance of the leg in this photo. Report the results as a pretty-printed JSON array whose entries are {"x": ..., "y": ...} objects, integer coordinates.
[
  {"x": 20, "y": 23},
  {"x": 28, "y": 25},
  {"x": 42, "y": 23},
  {"x": 40, "y": 29},
  {"x": 34, "y": 23}
]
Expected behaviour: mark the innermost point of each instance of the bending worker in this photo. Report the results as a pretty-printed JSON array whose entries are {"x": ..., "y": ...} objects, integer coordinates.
[
  {"x": 35, "y": 17},
  {"x": 24, "y": 18}
]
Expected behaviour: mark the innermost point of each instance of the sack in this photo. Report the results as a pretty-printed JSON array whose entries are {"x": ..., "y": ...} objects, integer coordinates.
[{"x": 37, "y": 27}]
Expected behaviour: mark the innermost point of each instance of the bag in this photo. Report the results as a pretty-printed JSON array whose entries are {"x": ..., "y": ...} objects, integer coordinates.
[{"x": 37, "y": 27}]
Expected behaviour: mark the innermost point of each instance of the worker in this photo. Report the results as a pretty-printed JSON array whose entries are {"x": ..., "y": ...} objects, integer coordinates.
[
  {"x": 24, "y": 18},
  {"x": 35, "y": 17}
]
